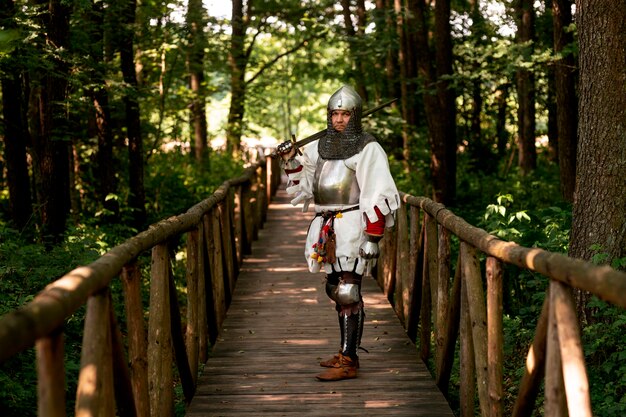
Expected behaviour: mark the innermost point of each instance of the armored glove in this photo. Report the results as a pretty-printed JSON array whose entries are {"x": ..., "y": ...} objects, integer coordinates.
[
  {"x": 286, "y": 150},
  {"x": 369, "y": 249}
]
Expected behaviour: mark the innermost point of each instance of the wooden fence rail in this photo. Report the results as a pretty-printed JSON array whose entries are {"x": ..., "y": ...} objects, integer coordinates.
[
  {"x": 218, "y": 232},
  {"x": 415, "y": 272}
]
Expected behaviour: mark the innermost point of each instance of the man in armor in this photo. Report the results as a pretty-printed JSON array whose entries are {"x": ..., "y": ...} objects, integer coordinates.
[{"x": 346, "y": 175}]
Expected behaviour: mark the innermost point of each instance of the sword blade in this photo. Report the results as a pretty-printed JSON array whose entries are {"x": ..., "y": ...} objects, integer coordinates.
[{"x": 318, "y": 135}]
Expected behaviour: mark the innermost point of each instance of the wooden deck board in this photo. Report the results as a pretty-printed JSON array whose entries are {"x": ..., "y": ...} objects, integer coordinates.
[{"x": 281, "y": 324}]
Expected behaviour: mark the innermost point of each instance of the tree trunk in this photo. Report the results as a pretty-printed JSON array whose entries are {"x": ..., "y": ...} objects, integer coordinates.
[
  {"x": 527, "y": 156},
  {"x": 384, "y": 29},
  {"x": 195, "y": 63},
  {"x": 133, "y": 121},
  {"x": 237, "y": 61},
  {"x": 16, "y": 133},
  {"x": 358, "y": 66},
  {"x": 438, "y": 98},
  {"x": 502, "y": 136},
  {"x": 566, "y": 100},
  {"x": 599, "y": 217},
  {"x": 553, "y": 130},
  {"x": 401, "y": 31},
  {"x": 50, "y": 144},
  {"x": 99, "y": 95}
]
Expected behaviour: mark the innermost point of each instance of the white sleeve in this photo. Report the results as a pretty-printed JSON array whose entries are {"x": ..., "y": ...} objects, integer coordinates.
[
  {"x": 301, "y": 182},
  {"x": 378, "y": 188}
]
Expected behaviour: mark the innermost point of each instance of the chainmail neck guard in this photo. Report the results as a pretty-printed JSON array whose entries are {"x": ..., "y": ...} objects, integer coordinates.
[
  {"x": 340, "y": 145},
  {"x": 343, "y": 145}
]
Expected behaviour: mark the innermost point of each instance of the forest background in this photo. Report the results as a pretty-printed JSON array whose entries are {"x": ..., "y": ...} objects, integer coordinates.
[{"x": 116, "y": 114}]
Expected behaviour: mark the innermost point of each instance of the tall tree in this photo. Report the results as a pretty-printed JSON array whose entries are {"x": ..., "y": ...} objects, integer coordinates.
[
  {"x": 438, "y": 97},
  {"x": 16, "y": 133},
  {"x": 133, "y": 118},
  {"x": 289, "y": 15},
  {"x": 355, "y": 39},
  {"x": 566, "y": 99},
  {"x": 402, "y": 60},
  {"x": 195, "y": 64},
  {"x": 237, "y": 61},
  {"x": 526, "y": 87},
  {"x": 97, "y": 91},
  {"x": 599, "y": 214},
  {"x": 387, "y": 85},
  {"x": 49, "y": 117},
  {"x": 447, "y": 96}
]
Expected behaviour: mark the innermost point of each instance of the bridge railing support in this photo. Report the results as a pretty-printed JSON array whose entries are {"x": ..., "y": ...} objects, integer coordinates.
[
  {"x": 439, "y": 308},
  {"x": 139, "y": 380}
]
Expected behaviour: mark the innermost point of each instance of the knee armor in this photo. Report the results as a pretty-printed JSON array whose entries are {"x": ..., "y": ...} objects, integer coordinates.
[{"x": 343, "y": 293}]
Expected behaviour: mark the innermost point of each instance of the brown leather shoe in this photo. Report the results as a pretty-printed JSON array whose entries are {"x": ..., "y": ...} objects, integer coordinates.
[
  {"x": 329, "y": 363},
  {"x": 345, "y": 368}
]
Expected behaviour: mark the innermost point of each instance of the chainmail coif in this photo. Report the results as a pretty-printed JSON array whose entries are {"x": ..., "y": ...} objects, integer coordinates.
[{"x": 343, "y": 145}]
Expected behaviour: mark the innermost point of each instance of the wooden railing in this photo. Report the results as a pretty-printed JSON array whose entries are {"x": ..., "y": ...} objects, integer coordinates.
[
  {"x": 218, "y": 232},
  {"x": 415, "y": 271}
]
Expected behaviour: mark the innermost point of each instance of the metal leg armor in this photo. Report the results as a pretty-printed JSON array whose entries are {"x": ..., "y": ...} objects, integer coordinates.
[{"x": 352, "y": 327}]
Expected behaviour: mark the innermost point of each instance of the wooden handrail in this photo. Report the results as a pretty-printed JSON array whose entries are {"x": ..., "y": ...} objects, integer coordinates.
[
  {"x": 469, "y": 311},
  {"x": 414, "y": 271},
  {"x": 219, "y": 231}
]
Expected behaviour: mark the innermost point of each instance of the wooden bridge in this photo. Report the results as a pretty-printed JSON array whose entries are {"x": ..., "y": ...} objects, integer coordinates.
[
  {"x": 256, "y": 349},
  {"x": 281, "y": 324}
]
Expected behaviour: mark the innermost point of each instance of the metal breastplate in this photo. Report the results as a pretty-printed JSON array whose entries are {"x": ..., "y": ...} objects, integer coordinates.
[{"x": 335, "y": 183}]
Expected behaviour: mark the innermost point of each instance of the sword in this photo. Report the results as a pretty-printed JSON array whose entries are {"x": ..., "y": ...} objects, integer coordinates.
[{"x": 318, "y": 135}]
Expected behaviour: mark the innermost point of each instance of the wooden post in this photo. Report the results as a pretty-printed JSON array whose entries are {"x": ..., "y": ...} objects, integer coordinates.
[
  {"x": 221, "y": 271},
  {"x": 229, "y": 267},
  {"x": 534, "y": 369},
  {"x": 478, "y": 315},
  {"x": 221, "y": 294},
  {"x": 495, "y": 336},
  {"x": 202, "y": 296},
  {"x": 137, "y": 347},
  {"x": 94, "y": 394},
  {"x": 572, "y": 356},
  {"x": 244, "y": 241},
  {"x": 446, "y": 359},
  {"x": 178, "y": 342},
  {"x": 425, "y": 310},
  {"x": 248, "y": 204},
  {"x": 269, "y": 180},
  {"x": 229, "y": 231},
  {"x": 431, "y": 263},
  {"x": 192, "y": 275},
  {"x": 160, "y": 360},
  {"x": 554, "y": 403},
  {"x": 415, "y": 240},
  {"x": 467, "y": 383},
  {"x": 416, "y": 285},
  {"x": 121, "y": 376},
  {"x": 263, "y": 195},
  {"x": 51, "y": 375},
  {"x": 214, "y": 286},
  {"x": 255, "y": 206},
  {"x": 401, "y": 293},
  {"x": 443, "y": 284}
]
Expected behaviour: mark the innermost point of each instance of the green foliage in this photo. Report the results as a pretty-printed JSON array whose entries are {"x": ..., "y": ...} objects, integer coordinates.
[
  {"x": 174, "y": 182},
  {"x": 605, "y": 355},
  {"x": 25, "y": 269}
]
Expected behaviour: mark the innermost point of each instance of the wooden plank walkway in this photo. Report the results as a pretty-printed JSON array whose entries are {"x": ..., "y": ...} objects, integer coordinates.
[{"x": 281, "y": 324}]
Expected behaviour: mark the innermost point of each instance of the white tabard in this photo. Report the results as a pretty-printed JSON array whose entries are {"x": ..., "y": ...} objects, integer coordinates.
[{"x": 377, "y": 190}]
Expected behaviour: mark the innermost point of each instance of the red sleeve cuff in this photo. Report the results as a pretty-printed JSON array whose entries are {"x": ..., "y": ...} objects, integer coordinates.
[
  {"x": 376, "y": 228},
  {"x": 293, "y": 171}
]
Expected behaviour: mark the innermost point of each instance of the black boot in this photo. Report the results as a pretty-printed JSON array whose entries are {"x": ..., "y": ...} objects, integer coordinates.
[
  {"x": 353, "y": 329},
  {"x": 329, "y": 363}
]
